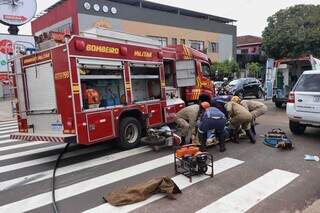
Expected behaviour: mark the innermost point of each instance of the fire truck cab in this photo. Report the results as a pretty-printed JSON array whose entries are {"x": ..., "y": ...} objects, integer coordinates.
[{"x": 103, "y": 85}]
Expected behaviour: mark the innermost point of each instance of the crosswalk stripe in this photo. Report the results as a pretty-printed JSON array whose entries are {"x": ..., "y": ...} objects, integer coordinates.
[
  {"x": 8, "y": 125},
  {"x": 246, "y": 197},
  {"x": 8, "y": 131},
  {"x": 84, "y": 186},
  {"x": 30, "y": 152},
  {"x": 8, "y": 128},
  {"x": 67, "y": 169},
  {"x": 181, "y": 181},
  {"x": 4, "y": 136},
  {"x": 8, "y": 122},
  {"x": 48, "y": 159},
  {"x": 8, "y": 141},
  {"x": 26, "y": 144}
]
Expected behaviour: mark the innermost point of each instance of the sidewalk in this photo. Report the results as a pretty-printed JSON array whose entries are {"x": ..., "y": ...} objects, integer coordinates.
[{"x": 5, "y": 110}]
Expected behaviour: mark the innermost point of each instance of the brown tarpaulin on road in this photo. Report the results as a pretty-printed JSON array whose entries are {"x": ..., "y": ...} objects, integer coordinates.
[{"x": 142, "y": 191}]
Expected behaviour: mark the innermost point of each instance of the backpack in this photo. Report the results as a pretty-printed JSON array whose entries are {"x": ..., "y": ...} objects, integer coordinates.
[{"x": 277, "y": 138}]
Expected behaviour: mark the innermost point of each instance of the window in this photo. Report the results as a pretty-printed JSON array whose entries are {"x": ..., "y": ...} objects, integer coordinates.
[
  {"x": 308, "y": 83},
  {"x": 102, "y": 87},
  {"x": 182, "y": 41},
  {"x": 244, "y": 51},
  {"x": 62, "y": 28},
  {"x": 213, "y": 47},
  {"x": 174, "y": 41},
  {"x": 169, "y": 73},
  {"x": 198, "y": 45},
  {"x": 145, "y": 82},
  {"x": 163, "y": 41},
  {"x": 205, "y": 69}
]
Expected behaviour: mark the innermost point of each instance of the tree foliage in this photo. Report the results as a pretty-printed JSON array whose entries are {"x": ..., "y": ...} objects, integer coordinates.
[
  {"x": 224, "y": 69},
  {"x": 292, "y": 32},
  {"x": 254, "y": 69}
]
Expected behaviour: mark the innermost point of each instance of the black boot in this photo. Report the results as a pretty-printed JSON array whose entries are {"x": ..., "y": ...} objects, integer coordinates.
[
  {"x": 222, "y": 147},
  {"x": 253, "y": 129},
  {"x": 250, "y": 136},
  {"x": 234, "y": 136}
]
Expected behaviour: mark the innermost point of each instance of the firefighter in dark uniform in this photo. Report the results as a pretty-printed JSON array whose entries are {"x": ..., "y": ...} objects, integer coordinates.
[{"x": 212, "y": 119}]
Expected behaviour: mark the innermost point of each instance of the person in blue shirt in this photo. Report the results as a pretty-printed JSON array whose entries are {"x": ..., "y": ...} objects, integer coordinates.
[
  {"x": 212, "y": 119},
  {"x": 220, "y": 101}
]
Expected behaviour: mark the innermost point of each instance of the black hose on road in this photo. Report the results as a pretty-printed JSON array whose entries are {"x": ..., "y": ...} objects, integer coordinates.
[{"x": 54, "y": 178}]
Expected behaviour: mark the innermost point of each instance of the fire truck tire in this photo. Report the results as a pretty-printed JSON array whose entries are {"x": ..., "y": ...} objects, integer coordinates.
[{"x": 130, "y": 133}]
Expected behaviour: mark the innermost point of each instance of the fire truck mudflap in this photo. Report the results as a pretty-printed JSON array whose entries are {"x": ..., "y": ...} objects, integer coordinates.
[{"x": 46, "y": 137}]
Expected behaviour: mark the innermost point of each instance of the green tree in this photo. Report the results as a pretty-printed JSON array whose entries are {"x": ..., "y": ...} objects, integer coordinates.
[
  {"x": 254, "y": 69},
  {"x": 292, "y": 32},
  {"x": 224, "y": 69}
]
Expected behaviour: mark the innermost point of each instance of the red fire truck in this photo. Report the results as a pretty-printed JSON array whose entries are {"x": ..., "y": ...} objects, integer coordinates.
[{"x": 136, "y": 85}]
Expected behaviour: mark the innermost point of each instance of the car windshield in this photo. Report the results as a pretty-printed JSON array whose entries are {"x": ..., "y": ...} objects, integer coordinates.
[
  {"x": 234, "y": 82},
  {"x": 308, "y": 83}
]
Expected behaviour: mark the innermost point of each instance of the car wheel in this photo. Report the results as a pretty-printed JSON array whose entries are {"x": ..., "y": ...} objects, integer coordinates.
[
  {"x": 241, "y": 95},
  {"x": 130, "y": 133},
  {"x": 297, "y": 128},
  {"x": 278, "y": 104},
  {"x": 260, "y": 94}
]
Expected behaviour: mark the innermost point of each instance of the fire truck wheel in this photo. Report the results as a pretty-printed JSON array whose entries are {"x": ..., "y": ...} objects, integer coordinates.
[{"x": 130, "y": 133}]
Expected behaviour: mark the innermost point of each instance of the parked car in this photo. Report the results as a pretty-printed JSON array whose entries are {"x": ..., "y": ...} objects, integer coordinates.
[
  {"x": 244, "y": 87},
  {"x": 303, "y": 107}
]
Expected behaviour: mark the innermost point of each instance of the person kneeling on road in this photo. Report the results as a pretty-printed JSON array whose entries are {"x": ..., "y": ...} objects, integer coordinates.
[
  {"x": 186, "y": 120},
  {"x": 256, "y": 109},
  {"x": 212, "y": 119},
  {"x": 240, "y": 117}
]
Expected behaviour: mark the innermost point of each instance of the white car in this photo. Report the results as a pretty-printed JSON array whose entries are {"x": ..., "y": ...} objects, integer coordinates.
[{"x": 303, "y": 107}]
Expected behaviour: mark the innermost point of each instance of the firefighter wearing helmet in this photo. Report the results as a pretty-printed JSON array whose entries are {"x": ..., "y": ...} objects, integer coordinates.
[{"x": 212, "y": 119}]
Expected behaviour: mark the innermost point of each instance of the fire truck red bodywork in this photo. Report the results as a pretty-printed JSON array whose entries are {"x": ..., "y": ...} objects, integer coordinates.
[{"x": 94, "y": 126}]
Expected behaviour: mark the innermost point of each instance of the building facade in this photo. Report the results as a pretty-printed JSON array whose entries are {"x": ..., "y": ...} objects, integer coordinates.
[
  {"x": 249, "y": 45},
  {"x": 215, "y": 36}
]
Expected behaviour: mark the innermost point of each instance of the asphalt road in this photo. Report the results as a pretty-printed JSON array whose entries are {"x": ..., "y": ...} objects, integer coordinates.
[{"x": 249, "y": 177}]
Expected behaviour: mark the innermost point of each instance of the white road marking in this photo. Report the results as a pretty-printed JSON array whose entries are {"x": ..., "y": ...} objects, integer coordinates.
[
  {"x": 84, "y": 186},
  {"x": 7, "y": 122},
  {"x": 8, "y": 131},
  {"x": 181, "y": 181},
  {"x": 38, "y": 161},
  {"x": 8, "y": 141},
  {"x": 26, "y": 144},
  {"x": 8, "y": 125},
  {"x": 246, "y": 197},
  {"x": 64, "y": 170},
  {"x": 4, "y": 136},
  {"x": 8, "y": 128},
  {"x": 31, "y": 152}
]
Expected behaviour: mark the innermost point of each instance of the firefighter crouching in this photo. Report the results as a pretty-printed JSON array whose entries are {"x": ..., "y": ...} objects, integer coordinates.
[
  {"x": 256, "y": 109},
  {"x": 212, "y": 119},
  {"x": 186, "y": 120},
  {"x": 240, "y": 117}
]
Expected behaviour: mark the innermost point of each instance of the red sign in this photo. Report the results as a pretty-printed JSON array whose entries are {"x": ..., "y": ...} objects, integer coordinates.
[
  {"x": 15, "y": 18},
  {"x": 3, "y": 77},
  {"x": 6, "y": 46}
]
